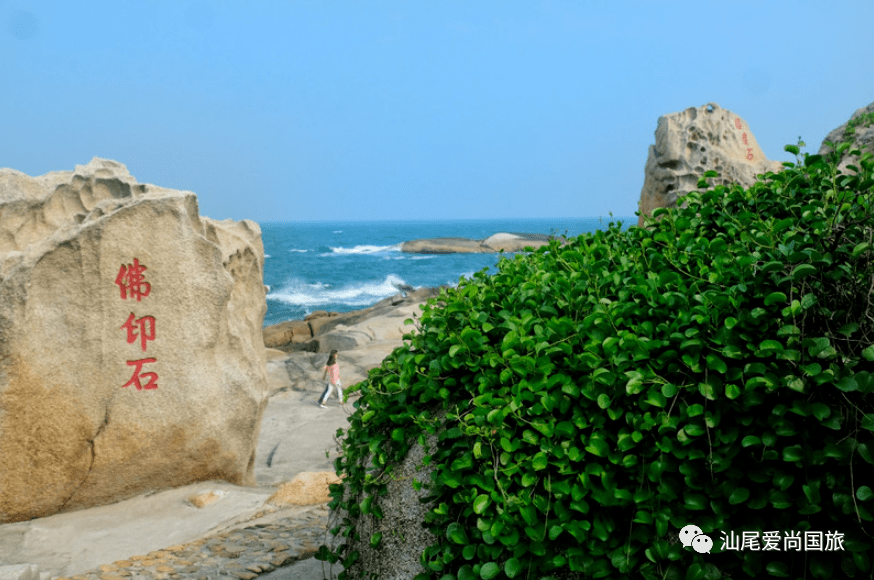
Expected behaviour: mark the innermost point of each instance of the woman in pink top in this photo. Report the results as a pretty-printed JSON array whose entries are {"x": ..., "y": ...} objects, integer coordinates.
[{"x": 334, "y": 369}]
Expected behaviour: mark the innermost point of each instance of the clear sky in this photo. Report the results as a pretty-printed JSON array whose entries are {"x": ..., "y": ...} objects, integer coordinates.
[{"x": 341, "y": 109}]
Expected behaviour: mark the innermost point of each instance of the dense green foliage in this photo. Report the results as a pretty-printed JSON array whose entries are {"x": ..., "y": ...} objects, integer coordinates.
[{"x": 711, "y": 369}]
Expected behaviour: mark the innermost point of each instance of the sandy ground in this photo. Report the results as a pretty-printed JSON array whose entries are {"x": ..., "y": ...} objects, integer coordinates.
[{"x": 295, "y": 436}]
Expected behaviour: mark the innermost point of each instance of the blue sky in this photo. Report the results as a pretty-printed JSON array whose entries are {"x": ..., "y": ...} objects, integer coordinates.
[{"x": 323, "y": 110}]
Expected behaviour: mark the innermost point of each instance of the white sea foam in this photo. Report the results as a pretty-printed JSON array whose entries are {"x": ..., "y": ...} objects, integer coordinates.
[
  {"x": 338, "y": 232},
  {"x": 266, "y": 256},
  {"x": 300, "y": 293},
  {"x": 367, "y": 249},
  {"x": 301, "y": 251}
]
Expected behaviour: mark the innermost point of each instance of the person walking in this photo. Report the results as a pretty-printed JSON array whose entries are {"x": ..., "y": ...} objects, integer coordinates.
[{"x": 332, "y": 368}]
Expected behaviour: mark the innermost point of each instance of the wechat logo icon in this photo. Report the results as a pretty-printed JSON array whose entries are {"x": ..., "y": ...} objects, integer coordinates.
[{"x": 692, "y": 535}]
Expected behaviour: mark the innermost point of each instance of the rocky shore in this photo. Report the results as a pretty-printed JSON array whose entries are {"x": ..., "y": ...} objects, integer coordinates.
[
  {"x": 508, "y": 242},
  {"x": 324, "y": 331},
  {"x": 218, "y": 530}
]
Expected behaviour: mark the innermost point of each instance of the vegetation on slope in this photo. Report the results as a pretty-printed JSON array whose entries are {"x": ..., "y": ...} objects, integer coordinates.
[{"x": 712, "y": 369}]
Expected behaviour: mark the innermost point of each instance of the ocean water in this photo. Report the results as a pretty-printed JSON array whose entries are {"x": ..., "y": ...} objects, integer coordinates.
[{"x": 343, "y": 266}]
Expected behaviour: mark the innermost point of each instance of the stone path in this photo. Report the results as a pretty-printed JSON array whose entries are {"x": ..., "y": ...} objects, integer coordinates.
[{"x": 237, "y": 554}]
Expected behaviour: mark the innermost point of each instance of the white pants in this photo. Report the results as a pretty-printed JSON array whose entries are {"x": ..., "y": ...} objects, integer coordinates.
[{"x": 327, "y": 393}]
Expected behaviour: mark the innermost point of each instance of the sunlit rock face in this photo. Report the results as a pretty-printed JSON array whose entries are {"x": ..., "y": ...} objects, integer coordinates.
[
  {"x": 691, "y": 142},
  {"x": 131, "y": 354}
]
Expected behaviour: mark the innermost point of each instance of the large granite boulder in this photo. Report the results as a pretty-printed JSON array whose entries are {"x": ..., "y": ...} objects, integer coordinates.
[
  {"x": 131, "y": 356},
  {"x": 858, "y": 130},
  {"x": 693, "y": 141}
]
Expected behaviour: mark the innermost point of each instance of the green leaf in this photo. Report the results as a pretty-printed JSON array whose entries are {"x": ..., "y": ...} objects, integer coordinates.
[
  {"x": 864, "y": 493},
  {"x": 597, "y": 447},
  {"x": 802, "y": 271},
  {"x": 512, "y": 567},
  {"x": 820, "y": 410},
  {"x": 774, "y": 298},
  {"x": 860, "y": 248},
  {"x": 770, "y": 345},
  {"x": 375, "y": 539},
  {"x": 489, "y": 571},
  {"x": 739, "y": 495},
  {"x": 847, "y": 384},
  {"x": 717, "y": 364},
  {"x": 808, "y": 300},
  {"x": 868, "y": 353},
  {"x": 793, "y": 453},
  {"x": 696, "y": 501},
  {"x": 603, "y": 400},
  {"x": 779, "y": 569},
  {"x": 656, "y": 399},
  {"x": 453, "y": 350},
  {"x": 481, "y": 502},
  {"x": 540, "y": 461},
  {"x": 456, "y": 533},
  {"x": 465, "y": 572}
]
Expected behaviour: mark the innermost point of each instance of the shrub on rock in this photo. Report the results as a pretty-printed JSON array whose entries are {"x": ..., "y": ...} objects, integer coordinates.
[{"x": 584, "y": 404}]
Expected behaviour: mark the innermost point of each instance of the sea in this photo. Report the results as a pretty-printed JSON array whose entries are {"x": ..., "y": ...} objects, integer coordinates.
[{"x": 343, "y": 266}]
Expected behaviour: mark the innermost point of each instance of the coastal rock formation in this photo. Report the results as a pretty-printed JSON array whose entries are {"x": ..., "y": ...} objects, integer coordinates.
[
  {"x": 132, "y": 355},
  {"x": 287, "y": 333},
  {"x": 859, "y": 130},
  {"x": 494, "y": 243},
  {"x": 693, "y": 141},
  {"x": 316, "y": 333}
]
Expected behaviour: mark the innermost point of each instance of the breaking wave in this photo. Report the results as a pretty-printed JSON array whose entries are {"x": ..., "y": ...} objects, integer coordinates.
[{"x": 299, "y": 293}]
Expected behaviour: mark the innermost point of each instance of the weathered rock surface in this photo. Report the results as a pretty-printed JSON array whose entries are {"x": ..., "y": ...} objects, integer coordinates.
[
  {"x": 325, "y": 331},
  {"x": 132, "y": 353},
  {"x": 859, "y": 130},
  {"x": 694, "y": 141},
  {"x": 287, "y": 333},
  {"x": 307, "y": 488},
  {"x": 494, "y": 243},
  {"x": 404, "y": 536}
]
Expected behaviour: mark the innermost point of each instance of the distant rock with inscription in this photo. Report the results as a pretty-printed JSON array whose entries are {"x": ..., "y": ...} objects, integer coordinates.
[
  {"x": 132, "y": 356},
  {"x": 694, "y": 141}
]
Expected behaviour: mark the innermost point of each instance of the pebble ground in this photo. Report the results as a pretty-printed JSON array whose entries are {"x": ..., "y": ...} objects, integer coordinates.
[{"x": 238, "y": 554}]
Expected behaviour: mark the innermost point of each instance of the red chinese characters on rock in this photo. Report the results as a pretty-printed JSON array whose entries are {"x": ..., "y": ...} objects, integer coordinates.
[
  {"x": 739, "y": 125},
  {"x": 132, "y": 283}
]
